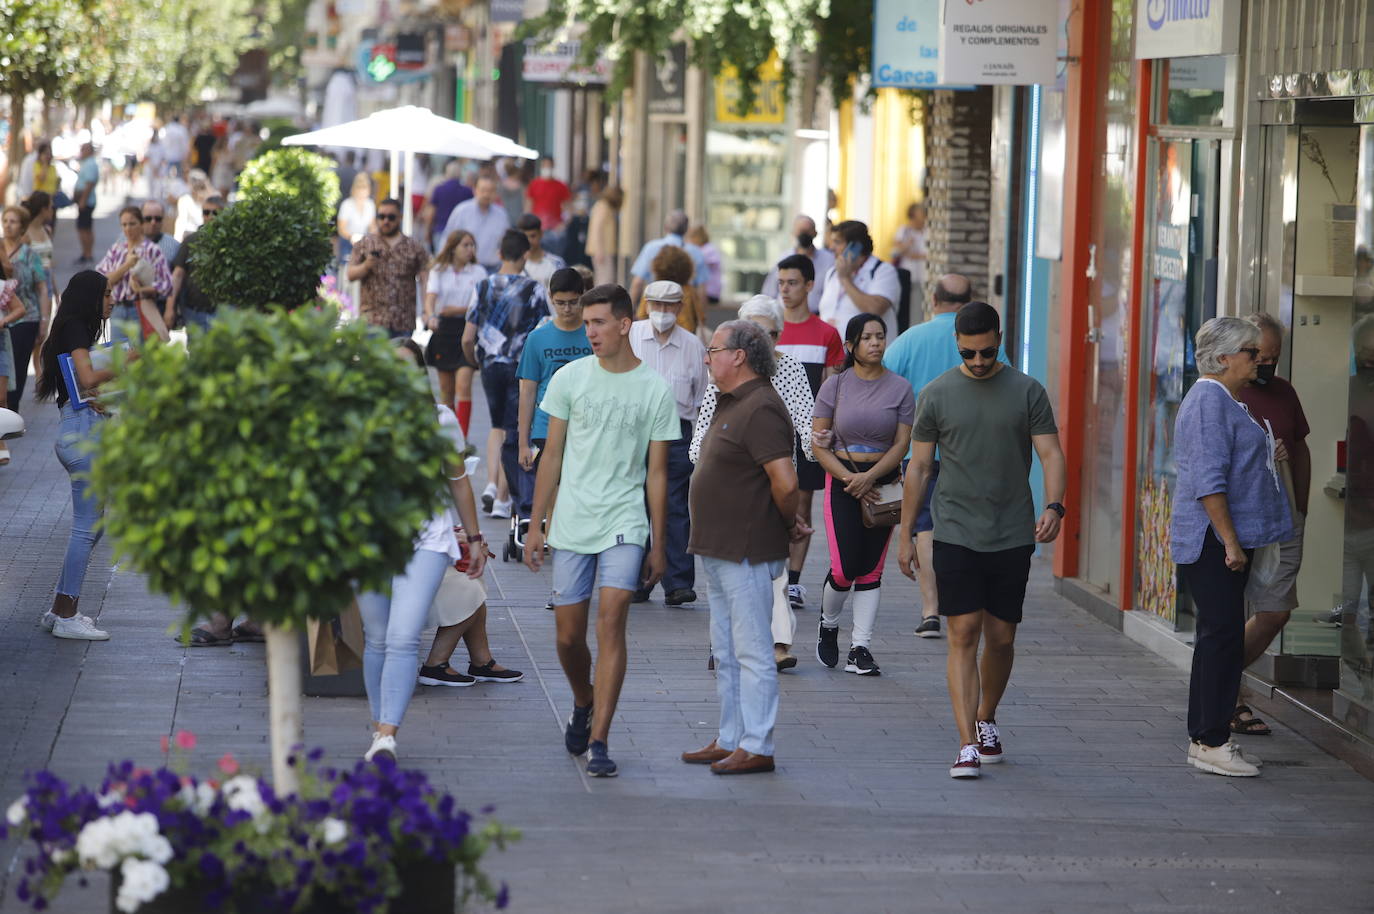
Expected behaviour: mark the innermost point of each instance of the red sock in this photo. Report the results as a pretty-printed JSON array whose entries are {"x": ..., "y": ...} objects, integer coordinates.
[{"x": 464, "y": 412}]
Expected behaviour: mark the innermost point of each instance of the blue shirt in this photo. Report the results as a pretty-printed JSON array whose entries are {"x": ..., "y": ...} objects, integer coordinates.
[
  {"x": 507, "y": 310},
  {"x": 547, "y": 350},
  {"x": 647, "y": 254},
  {"x": 88, "y": 176},
  {"x": 1219, "y": 448}
]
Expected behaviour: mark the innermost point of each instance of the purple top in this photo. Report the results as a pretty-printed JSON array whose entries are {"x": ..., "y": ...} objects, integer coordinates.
[
  {"x": 870, "y": 411},
  {"x": 445, "y": 196},
  {"x": 1219, "y": 448}
]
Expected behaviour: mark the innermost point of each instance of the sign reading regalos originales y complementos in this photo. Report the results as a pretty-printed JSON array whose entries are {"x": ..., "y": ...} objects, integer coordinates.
[
  {"x": 999, "y": 42},
  {"x": 1186, "y": 28}
]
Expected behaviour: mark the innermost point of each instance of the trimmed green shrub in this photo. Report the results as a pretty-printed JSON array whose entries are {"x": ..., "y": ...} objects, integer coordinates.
[
  {"x": 266, "y": 251},
  {"x": 279, "y": 462},
  {"x": 292, "y": 172}
]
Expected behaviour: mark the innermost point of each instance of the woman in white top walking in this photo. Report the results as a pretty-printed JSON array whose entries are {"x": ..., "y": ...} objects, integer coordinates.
[
  {"x": 451, "y": 290},
  {"x": 357, "y": 215}
]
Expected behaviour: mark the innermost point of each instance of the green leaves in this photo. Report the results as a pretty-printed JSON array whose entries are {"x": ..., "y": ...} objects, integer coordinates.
[
  {"x": 306, "y": 177},
  {"x": 266, "y": 251},
  {"x": 279, "y": 462}
]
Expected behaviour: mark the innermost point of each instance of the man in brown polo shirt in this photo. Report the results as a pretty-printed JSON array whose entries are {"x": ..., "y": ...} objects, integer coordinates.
[
  {"x": 743, "y": 509},
  {"x": 388, "y": 264}
]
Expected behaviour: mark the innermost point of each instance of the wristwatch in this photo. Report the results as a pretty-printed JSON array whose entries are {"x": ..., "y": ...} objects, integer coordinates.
[
  {"x": 479, "y": 538},
  {"x": 1057, "y": 508}
]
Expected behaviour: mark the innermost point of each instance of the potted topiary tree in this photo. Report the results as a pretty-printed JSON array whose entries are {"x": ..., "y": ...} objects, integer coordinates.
[
  {"x": 307, "y": 177},
  {"x": 306, "y": 459}
]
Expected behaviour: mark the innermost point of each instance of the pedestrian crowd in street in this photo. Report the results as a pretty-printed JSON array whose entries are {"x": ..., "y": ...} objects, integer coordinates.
[{"x": 631, "y": 445}]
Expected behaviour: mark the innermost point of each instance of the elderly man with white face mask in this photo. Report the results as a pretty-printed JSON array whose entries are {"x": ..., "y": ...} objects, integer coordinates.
[{"x": 680, "y": 359}]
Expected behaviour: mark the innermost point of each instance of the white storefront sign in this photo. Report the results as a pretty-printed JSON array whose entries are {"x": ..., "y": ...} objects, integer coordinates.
[
  {"x": 1186, "y": 28},
  {"x": 906, "y": 44},
  {"x": 995, "y": 42},
  {"x": 560, "y": 64}
]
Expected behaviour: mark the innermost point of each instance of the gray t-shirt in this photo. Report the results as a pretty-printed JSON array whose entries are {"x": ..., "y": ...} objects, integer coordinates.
[
  {"x": 983, "y": 429},
  {"x": 870, "y": 411}
]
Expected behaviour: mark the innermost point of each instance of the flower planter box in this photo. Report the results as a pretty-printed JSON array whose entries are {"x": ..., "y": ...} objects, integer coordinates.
[{"x": 426, "y": 888}]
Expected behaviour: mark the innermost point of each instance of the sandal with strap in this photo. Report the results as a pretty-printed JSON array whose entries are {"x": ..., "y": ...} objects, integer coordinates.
[
  {"x": 203, "y": 637},
  {"x": 1248, "y": 726},
  {"x": 243, "y": 633}
]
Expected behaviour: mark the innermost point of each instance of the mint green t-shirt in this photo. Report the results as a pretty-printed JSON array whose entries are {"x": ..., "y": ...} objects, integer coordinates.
[{"x": 611, "y": 420}]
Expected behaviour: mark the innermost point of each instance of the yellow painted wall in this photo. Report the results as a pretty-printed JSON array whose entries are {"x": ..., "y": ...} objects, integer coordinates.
[{"x": 891, "y": 164}]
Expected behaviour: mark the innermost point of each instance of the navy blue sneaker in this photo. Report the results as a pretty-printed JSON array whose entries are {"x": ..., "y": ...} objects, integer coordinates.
[
  {"x": 579, "y": 730},
  {"x": 599, "y": 764}
]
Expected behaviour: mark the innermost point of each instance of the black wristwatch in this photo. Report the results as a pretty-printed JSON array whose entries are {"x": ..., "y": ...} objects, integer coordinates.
[{"x": 1057, "y": 508}]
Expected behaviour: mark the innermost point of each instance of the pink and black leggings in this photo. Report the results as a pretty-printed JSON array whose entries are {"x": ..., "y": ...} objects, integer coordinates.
[{"x": 857, "y": 553}]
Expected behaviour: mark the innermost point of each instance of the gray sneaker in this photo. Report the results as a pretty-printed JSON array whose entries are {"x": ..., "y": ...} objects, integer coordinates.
[
  {"x": 929, "y": 627},
  {"x": 78, "y": 628}
]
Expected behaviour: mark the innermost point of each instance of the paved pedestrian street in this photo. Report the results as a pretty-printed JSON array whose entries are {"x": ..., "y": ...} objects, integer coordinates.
[{"x": 1094, "y": 810}]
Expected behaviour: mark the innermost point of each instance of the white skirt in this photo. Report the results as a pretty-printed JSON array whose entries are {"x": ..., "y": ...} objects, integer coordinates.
[{"x": 458, "y": 598}]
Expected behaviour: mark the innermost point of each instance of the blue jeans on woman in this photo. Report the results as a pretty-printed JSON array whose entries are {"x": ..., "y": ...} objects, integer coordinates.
[
  {"x": 77, "y": 434},
  {"x": 391, "y": 634}
]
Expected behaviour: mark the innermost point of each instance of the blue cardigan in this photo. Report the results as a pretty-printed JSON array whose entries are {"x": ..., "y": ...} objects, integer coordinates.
[{"x": 1220, "y": 448}]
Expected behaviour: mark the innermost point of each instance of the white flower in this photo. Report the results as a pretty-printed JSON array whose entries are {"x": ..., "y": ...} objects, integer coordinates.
[
  {"x": 141, "y": 881},
  {"x": 241, "y": 793},
  {"x": 104, "y": 842},
  {"x": 110, "y": 800},
  {"x": 60, "y": 855},
  {"x": 17, "y": 812},
  {"x": 334, "y": 830}
]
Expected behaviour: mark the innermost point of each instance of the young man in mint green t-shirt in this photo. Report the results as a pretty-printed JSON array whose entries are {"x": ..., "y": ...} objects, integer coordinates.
[{"x": 606, "y": 416}]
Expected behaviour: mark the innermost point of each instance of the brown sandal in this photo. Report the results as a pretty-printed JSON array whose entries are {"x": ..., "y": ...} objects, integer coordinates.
[{"x": 1248, "y": 726}]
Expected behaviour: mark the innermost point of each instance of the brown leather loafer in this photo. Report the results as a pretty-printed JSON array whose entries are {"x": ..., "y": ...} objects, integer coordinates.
[
  {"x": 711, "y": 753},
  {"x": 741, "y": 762}
]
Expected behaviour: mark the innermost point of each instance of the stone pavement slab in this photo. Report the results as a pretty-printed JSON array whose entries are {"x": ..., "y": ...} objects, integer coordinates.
[{"x": 1094, "y": 809}]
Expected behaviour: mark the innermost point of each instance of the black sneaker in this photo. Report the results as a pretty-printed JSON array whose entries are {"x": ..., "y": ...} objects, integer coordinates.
[
  {"x": 680, "y": 596},
  {"x": 579, "y": 730},
  {"x": 796, "y": 597},
  {"x": 485, "y": 673},
  {"x": 640, "y": 596},
  {"x": 861, "y": 661},
  {"x": 827, "y": 645},
  {"x": 599, "y": 764},
  {"x": 488, "y": 502},
  {"x": 444, "y": 675},
  {"x": 929, "y": 627}
]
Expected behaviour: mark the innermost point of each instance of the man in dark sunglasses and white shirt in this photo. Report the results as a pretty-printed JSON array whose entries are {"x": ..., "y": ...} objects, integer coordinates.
[{"x": 985, "y": 416}]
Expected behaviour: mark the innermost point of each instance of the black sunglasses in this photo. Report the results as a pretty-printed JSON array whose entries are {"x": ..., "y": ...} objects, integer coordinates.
[
  {"x": 152, "y": 218},
  {"x": 1250, "y": 351},
  {"x": 989, "y": 353},
  {"x": 387, "y": 217},
  {"x": 209, "y": 212}
]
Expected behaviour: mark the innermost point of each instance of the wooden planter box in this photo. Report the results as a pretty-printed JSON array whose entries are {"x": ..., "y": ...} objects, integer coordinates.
[{"x": 426, "y": 888}]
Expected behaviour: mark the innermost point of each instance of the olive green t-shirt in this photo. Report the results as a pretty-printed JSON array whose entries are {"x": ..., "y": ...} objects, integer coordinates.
[{"x": 983, "y": 428}]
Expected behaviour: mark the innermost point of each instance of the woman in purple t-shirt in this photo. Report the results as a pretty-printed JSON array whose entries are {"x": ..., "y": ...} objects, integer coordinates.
[{"x": 868, "y": 412}]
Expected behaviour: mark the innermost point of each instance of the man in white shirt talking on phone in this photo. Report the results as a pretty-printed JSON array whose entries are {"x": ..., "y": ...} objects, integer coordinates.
[{"x": 859, "y": 283}]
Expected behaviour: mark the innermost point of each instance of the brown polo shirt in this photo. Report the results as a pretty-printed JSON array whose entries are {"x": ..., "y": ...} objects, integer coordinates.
[{"x": 733, "y": 515}]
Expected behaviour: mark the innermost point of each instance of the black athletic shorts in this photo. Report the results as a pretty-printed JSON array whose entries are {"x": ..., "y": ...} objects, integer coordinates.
[
  {"x": 810, "y": 476},
  {"x": 968, "y": 581},
  {"x": 85, "y": 217}
]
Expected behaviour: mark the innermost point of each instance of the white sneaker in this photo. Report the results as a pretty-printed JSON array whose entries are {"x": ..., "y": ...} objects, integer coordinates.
[
  {"x": 11, "y": 424},
  {"x": 502, "y": 508},
  {"x": 1194, "y": 745},
  {"x": 77, "y": 628},
  {"x": 49, "y": 619},
  {"x": 4, "y": 455},
  {"x": 382, "y": 744},
  {"x": 1225, "y": 759}
]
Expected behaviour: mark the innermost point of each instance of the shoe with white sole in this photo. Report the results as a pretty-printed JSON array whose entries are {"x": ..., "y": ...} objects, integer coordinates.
[
  {"x": 796, "y": 597},
  {"x": 4, "y": 455},
  {"x": 11, "y": 424},
  {"x": 49, "y": 619},
  {"x": 1225, "y": 759},
  {"x": 488, "y": 497},
  {"x": 989, "y": 742},
  {"x": 77, "y": 628},
  {"x": 382, "y": 745},
  {"x": 502, "y": 508},
  {"x": 967, "y": 765}
]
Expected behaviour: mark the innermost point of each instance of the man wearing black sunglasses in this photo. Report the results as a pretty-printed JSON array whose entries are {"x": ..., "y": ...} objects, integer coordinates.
[
  {"x": 187, "y": 304},
  {"x": 389, "y": 264},
  {"x": 985, "y": 416}
]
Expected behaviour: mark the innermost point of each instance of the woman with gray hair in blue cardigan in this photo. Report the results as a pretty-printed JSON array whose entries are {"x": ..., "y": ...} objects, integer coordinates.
[{"x": 1228, "y": 501}]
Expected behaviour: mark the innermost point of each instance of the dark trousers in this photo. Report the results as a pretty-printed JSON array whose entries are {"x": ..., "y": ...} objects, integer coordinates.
[
  {"x": 1219, "y": 646},
  {"x": 503, "y": 402},
  {"x": 681, "y": 573},
  {"x": 22, "y": 338}
]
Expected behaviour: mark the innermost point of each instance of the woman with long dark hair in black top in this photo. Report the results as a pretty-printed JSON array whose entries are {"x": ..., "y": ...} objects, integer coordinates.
[{"x": 79, "y": 323}]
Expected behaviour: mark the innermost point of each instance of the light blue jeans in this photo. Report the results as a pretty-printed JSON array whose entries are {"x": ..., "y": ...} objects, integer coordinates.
[
  {"x": 77, "y": 428},
  {"x": 120, "y": 315},
  {"x": 391, "y": 634},
  {"x": 199, "y": 319},
  {"x": 741, "y": 596}
]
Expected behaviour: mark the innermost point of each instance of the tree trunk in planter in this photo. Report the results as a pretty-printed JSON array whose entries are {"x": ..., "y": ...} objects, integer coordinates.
[{"x": 284, "y": 704}]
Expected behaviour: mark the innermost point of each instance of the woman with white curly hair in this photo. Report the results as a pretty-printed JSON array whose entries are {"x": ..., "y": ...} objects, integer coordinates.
[
  {"x": 789, "y": 380},
  {"x": 1228, "y": 501}
]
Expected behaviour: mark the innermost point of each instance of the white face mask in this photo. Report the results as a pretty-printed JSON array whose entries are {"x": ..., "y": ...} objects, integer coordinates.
[
  {"x": 546, "y": 172},
  {"x": 662, "y": 321}
]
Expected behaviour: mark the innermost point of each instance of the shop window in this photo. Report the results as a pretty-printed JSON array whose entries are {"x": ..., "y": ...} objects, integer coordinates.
[{"x": 1194, "y": 91}]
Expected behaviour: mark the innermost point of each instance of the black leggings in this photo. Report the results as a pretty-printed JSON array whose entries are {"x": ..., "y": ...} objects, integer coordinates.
[
  {"x": 1219, "y": 645},
  {"x": 22, "y": 338},
  {"x": 857, "y": 552}
]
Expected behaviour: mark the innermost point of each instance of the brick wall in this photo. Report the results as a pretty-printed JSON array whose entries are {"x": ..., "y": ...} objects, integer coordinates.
[{"x": 958, "y": 187}]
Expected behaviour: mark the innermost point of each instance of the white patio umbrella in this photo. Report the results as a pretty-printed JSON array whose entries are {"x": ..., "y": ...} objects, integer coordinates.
[{"x": 408, "y": 130}]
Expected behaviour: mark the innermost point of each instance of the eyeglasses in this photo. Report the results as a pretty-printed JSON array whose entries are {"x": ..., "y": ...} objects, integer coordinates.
[
  {"x": 567, "y": 303},
  {"x": 1251, "y": 351},
  {"x": 715, "y": 349},
  {"x": 152, "y": 218},
  {"x": 989, "y": 353},
  {"x": 387, "y": 217}
]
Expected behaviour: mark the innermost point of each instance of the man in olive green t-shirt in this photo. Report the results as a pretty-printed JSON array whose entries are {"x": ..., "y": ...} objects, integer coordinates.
[
  {"x": 610, "y": 420},
  {"x": 985, "y": 417}
]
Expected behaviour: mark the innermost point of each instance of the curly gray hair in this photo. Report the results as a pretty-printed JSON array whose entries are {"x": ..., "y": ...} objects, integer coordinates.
[
  {"x": 754, "y": 341},
  {"x": 1222, "y": 336},
  {"x": 763, "y": 306}
]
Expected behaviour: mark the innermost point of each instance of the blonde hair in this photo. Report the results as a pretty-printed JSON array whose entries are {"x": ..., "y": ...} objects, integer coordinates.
[
  {"x": 448, "y": 254},
  {"x": 697, "y": 235},
  {"x": 25, "y": 217},
  {"x": 361, "y": 179}
]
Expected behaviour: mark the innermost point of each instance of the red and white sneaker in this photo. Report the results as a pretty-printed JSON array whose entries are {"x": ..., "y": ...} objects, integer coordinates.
[
  {"x": 967, "y": 765},
  {"x": 989, "y": 742}
]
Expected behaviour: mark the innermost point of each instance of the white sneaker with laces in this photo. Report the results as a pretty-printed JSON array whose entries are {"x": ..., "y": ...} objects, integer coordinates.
[
  {"x": 382, "y": 744},
  {"x": 796, "y": 596},
  {"x": 1225, "y": 759},
  {"x": 502, "y": 508},
  {"x": 49, "y": 619},
  {"x": 77, "y": 628}
]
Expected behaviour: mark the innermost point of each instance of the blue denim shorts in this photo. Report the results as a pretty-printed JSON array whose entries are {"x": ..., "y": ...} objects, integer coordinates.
[{"x": 575, "y": 574}]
